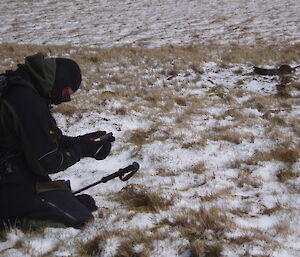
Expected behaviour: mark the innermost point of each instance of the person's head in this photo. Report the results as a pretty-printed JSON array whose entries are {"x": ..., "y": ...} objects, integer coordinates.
[
  {"x": 67, "y": 80},
  {"x": 55, "y": 79}
]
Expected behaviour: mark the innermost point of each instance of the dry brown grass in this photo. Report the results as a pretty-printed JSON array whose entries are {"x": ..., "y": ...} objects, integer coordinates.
[
  {"x": 284, "y": 90},
  {"x": 19, "y": 244},
  {"x": 282, "y": 153},
  {"x": 96, "y": 62},
  {"x": 140, "y": 137},
  {"x": 137, "y": 237},
  {"x": 189, "y": 221},
  {"x": 142, "y": 199},
  {"x": 193, "y": 55},
  {"x": 199, "y": 143},
  {"x": 203, "y": 228},
  {"x": 276, "y": 132},
  {"x": 93, "y": 247},
  {"x": 164, "y": 172},
  {"x": 262, "y": 54},
  {"x": 223, "y": 193},
  {"x": 259, "y": 102},
  {"x": 241, "y": 211},
  {"x": 241, "y": 240},
  {"x": 127, "y": 241},
  {"x": 198, "y": 168},
  {"x": 157, "y": 132},
  {"x": 68, "y": 109},
  {"x": 269, "y": 211},
  {"x": 205, "y": 248},
  {"x": 227, "y": 133},
  {"x": 245, "y": 179},
  {"x": 296, "y": 85},
  {"x": 285, "y": 174}
]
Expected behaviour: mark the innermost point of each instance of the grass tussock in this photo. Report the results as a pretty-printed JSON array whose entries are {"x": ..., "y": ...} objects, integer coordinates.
[
  {"x": 283, "y": 90},
  {"x": 218, "y": 90},
  {"x": 93, "y": 247},
  {"x": 163, "y": 172},
  {"x": 241, "y": 240},
  {"x": 142, "y": 199},
  {"x": 140, "y": 137},
  {"x": 204, "y": 229},
  {"x": 227, "y": 133},
  {"x": 226, "y": 192},
  {"x": 269, "y": 211},
  {"x": 285, "y": 155},
  {"x": 282, "y": 154},
  {"x": 137, "y": 238},
  {"x": 260, "y": 103},
  {"x": 245, "y": 179},
  {"x": 132, "y": 243},
  {"x": 190, "y": 221},
  {"x": 285, "y": 174},
  {"x": 241, "y": 211},
  {"x": 205, "y": 248},
  {"x": 296, "y": 85},
  {"x": 194, "y": 144},
  {"x": 198, "y": 168},
  {"x": 67, "y": 109}
]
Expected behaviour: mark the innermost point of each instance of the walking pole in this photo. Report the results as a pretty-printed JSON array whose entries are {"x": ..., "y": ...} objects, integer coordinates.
[{"x": 124, "y": 174}]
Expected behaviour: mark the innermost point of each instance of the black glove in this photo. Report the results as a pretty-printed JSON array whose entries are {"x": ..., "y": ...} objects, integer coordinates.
[
  {"x": 66, "y": 141},
  {"x": 98, "y": 149},
  {"x": 92, "y": 136}
]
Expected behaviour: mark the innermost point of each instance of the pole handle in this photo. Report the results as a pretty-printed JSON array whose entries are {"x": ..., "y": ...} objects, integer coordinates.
[{"x": 134, "y": 167}]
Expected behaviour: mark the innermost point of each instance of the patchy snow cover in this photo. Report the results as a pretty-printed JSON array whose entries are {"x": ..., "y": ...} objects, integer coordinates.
[
  {"x": 149, "y": 23},
  {"x": 194, "y": 165}
]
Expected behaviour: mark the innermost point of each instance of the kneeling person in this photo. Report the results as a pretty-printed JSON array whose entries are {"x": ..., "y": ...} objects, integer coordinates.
[{"x": 32, "y": 146}]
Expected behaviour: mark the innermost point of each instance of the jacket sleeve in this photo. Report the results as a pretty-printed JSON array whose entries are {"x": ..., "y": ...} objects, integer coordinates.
[
  {"x": 63, "y": 140},
  {"x": 39, "y": 136}
]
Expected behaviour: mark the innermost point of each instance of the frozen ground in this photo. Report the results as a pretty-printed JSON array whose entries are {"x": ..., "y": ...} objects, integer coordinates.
[
  {"x": 149, "y": 23},
  {"x": 211, "y": 139}
]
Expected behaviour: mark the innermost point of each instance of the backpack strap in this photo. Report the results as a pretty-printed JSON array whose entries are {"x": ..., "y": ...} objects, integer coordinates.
[{"x": 3, "y": 83}]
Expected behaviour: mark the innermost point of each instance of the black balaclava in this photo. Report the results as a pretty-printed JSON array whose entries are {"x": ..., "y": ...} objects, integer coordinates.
[{"x": 67, "y": 74}]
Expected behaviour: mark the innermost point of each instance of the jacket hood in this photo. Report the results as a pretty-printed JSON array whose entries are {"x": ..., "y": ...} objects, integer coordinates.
[
  {"x": 42, "y": 73},
  {"x": 67, "y": 75}
]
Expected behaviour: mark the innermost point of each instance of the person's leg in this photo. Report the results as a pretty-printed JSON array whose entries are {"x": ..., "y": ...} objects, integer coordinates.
[
  {"x": 15, "y": 200},
  {"x": 20, "y": 201},
  {"x": 61, "y": 206}
]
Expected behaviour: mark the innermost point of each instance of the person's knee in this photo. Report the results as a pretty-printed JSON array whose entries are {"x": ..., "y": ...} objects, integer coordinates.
[
  {"x": 62, "y": 206},
  {"x": 87, "y": 201}
]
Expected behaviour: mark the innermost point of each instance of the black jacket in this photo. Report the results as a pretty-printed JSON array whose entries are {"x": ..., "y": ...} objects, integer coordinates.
[{"x": 28, "y": 130}]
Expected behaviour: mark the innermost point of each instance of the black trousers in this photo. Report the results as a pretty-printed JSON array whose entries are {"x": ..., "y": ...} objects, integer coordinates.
[{"x": 19, "y": 200}]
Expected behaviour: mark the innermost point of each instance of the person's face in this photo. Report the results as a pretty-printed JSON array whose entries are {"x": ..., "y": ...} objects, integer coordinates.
[{"x": 66, "y": 94}]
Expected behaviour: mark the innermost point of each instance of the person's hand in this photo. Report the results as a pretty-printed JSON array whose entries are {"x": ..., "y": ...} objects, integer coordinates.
[
  {"x": 93, "y": 136},
  {"x": 106, "y": 137},
  {"x": 66, "y": 141},
  {"x": 96, "y": 147}
]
